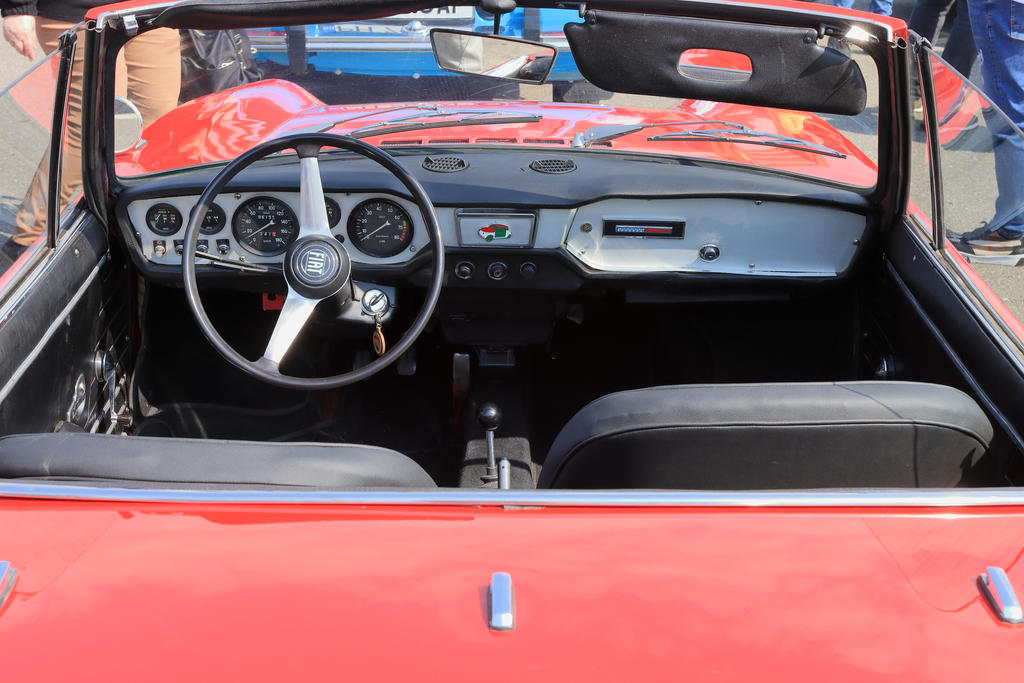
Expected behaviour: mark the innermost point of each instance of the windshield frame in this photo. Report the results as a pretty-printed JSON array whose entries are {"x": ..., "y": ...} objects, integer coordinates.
[{"x": 109, "y": 35}]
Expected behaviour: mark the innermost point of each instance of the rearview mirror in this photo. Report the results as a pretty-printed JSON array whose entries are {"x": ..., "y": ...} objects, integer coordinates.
[{"x": 493, "y": 56}]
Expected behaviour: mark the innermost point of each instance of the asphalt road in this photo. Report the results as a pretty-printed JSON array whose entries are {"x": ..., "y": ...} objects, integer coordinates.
[{"x": 967, "y": 202}]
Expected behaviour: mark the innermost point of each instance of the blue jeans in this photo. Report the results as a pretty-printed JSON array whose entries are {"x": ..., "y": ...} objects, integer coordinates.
[
  {"x": 883, "y": 7},
  {"x": 999, "y": 33},
  {"x": 960, "y": 51}
]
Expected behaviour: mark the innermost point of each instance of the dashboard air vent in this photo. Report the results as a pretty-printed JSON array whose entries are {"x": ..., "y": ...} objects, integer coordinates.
[
  {"x": 445, "y": 164},
  {"x": 553, "y": 165}
]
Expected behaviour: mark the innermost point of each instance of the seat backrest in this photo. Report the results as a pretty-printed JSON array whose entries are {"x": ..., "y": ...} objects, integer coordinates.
[
  {"x": 771, "y": 436},
  {"x": 183, "y": 463}
]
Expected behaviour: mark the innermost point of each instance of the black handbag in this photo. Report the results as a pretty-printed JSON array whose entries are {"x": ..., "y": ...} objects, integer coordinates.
[{"x": 215, "y": 60}]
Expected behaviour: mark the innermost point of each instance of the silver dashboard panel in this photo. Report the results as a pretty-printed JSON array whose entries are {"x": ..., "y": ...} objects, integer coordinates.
[
  {"x": 231, "y": 201},
  {"x": 750, "y": 237}
]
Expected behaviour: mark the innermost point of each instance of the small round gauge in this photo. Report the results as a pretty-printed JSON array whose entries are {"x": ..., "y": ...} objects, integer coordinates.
[
  {"x": 380, "y": 227},
  {"x": 163, "y": 219},
  {"x": 333, "y": 212},
  {"x": 214, "y": 220},
  {"x": 265, "y": 225}
]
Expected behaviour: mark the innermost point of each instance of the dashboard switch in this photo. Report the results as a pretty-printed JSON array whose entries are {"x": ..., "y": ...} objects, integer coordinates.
[
  {"x": 223, "y": 246},
  {"x": 159, "y": 248},
  {"x": 179, "y": 247},
  {"x": 497, "y": 271},
  {"x": 203, "y": 246},
  {"x": 528, "y": 270},
  {"x": 464, "y": 270}
]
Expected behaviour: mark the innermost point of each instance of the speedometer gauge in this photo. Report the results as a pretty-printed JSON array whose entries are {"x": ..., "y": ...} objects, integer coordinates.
[
  {"x": 265, "y": 225},
  {"x": 380, "y": 227}
]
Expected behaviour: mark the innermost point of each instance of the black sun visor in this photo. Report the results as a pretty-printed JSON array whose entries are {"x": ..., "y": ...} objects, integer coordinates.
[{"x": 645, "y": 54}]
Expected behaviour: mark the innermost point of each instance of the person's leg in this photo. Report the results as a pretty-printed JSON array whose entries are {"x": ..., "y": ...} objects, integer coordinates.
[
  {"x": 883, "y": 7},
  {"x": 960, "y": 51},
  {"x": 30, "y": 221},
  {"x": 153, "y": 69},
  {"x": 842, "y": 3},
  {"x": 927, "y": 17},
  {"x": 998, "y": 27}
]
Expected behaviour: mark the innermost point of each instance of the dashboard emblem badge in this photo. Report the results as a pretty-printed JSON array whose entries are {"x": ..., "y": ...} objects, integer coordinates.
[
  {"x": 494, "y": 231},
  {"x": 315, "y": 263}
]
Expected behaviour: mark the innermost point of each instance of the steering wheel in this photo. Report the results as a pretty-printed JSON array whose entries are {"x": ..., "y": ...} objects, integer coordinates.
[{"x": 316, "y": 265}]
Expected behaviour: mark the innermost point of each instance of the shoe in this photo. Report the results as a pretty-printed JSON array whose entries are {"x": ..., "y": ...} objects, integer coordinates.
[{"x": 999, "y": 247}]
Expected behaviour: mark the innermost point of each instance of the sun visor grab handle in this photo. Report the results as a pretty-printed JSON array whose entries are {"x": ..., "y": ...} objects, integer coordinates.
[{"x": 640, "y": 54}]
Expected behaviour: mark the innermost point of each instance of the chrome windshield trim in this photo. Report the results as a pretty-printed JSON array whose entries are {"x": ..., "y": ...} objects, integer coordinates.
[
  {"x": 856, "y": 498},
  {"x": 140, "y": 11},
  {"x": 382, "y": 42}
]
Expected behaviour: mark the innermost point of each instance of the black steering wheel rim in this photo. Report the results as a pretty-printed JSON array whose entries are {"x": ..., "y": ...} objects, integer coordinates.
[{"x": 309, "y": 145}]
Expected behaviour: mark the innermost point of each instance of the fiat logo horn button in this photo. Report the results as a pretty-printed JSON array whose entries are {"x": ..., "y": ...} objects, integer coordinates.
[{"x": 317, "y": 267}]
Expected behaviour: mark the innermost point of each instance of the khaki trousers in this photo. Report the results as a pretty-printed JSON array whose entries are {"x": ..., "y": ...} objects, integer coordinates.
[{"x": 148, "y": 72}]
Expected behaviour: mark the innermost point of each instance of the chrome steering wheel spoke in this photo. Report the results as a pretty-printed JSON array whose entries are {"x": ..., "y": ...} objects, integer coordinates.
[
  {"x": 312, "y": 205},
  {"x": 295, "y": 312}
]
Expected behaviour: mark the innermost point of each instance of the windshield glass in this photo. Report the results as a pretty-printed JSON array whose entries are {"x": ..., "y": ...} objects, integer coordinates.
[{"x": 380, "y": 80}]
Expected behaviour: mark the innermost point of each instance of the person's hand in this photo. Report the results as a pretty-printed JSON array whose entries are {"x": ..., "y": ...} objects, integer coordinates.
[{"x": 20, "y": 32}]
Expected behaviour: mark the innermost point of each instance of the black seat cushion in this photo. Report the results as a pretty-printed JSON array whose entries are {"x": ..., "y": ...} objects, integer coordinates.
[
  {"x": 206, "y": 461},
  {"x": 771, "y": 436}
]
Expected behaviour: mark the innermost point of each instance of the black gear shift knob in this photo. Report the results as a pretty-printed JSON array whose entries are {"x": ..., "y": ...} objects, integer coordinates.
[{"x": 489, "y": 416}]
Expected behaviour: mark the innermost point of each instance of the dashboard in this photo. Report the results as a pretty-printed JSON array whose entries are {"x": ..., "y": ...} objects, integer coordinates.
[{"x": 612, "y": 236}]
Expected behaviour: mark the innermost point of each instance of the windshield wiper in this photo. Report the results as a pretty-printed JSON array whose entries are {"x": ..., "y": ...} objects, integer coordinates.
[
  {"x": 470, "y": 118},
  {"x": 417, "y": 120},
  {"x": 734, "y": 132},
  {"x": 595, "y": 135},
  {"x": 743, "y": 135}
]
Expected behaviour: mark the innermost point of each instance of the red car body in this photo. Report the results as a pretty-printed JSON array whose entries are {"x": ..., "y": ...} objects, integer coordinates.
[
  {"x": 127, "y": 591},
  {"x": 221, "y": 126}
]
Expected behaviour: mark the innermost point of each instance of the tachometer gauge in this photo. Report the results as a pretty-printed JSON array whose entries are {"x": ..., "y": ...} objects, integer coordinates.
[
  {"x": 163, "y": 219},
  {"x": 214, "y": 220},
  {"x": 380, "y": 227},
  {"x": 265, "y": 225},
  {"x": 333, "y": 212}
]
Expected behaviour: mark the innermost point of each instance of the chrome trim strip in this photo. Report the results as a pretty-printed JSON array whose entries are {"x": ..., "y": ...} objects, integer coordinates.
[
  {"x": 21, "y": 288},
  {"x": 996, "y": 587},
  {"x": 57, "y": 322},
  {"x": 143, "y": 10},
  {"x": 856, "y": 498},
  {"x": 385, "y": 42},
  {"x": 8, "y": 577},
  {"x": 983, "y": 310},
  {"x": 501, "y": 611}
]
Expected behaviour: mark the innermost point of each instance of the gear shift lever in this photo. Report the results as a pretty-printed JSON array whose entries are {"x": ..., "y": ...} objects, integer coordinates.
[{"x": 489, "y": 417}]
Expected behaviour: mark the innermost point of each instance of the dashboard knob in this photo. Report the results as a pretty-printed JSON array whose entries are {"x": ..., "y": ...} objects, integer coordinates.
[
  {"x": 497, "y": 271},
  {"x": 464, "y": 270},
  {"x": 528, "y": 270},
  {"x": 709, "y": 252}
]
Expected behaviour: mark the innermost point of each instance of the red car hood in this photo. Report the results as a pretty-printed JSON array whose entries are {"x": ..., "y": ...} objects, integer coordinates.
[
  {"x": 221, "y": 126},
  {"x": 119, "y": 591}
]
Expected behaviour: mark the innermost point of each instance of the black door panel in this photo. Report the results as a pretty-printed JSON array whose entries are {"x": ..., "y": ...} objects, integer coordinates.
[{"x": 74, "y": 307}]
